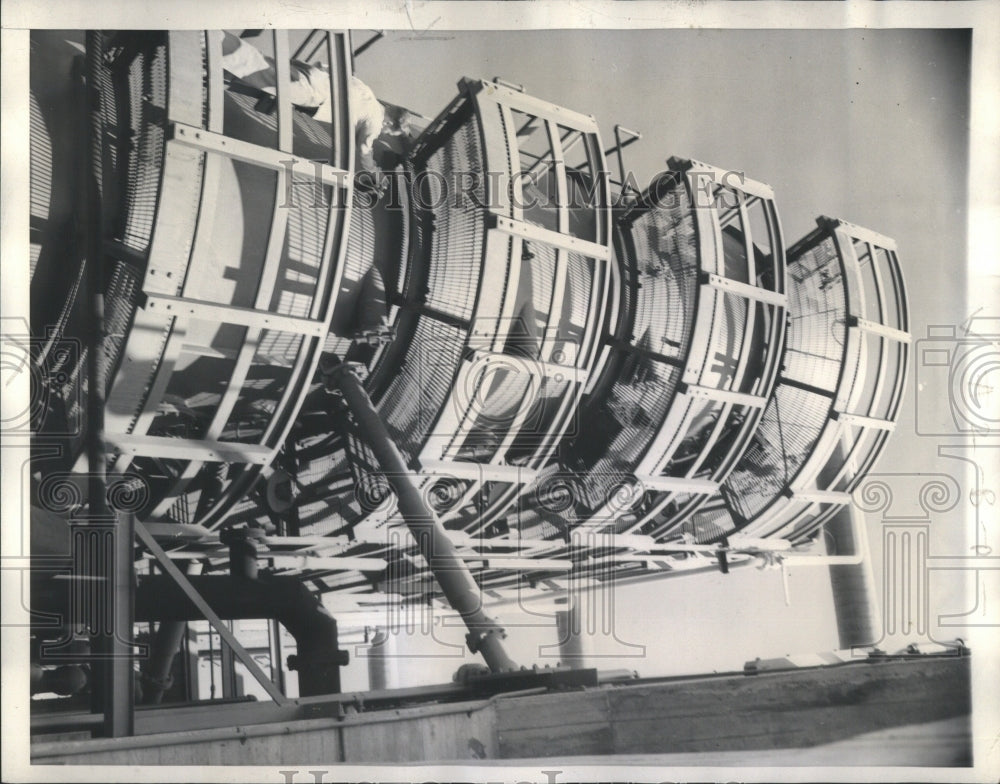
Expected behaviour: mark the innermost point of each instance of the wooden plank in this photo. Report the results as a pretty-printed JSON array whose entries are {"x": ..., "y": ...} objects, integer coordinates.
[
  {"x": 798, "y": 708},
  {"x": 571, "y": 739},
  {"x": 742, "y": 714},
  {"x": 551, "y": 710}
]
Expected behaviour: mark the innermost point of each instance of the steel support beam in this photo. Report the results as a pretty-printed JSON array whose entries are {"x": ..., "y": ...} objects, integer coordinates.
[
  {"x": 678, "y": 484},
  {"x": 873, "y": 327},
  {"x": 108, "y": 547},
  {"x": 456, "y": 581},
  {"x": 203, "y": 450},
  {"x": 723, "y": 395},
  {"x": 746, "y": 290},
  {"x": 485, "y": 472},
  {"x": 210, "y": 615},
  {"x": 864, "y": 421},
  {"x": 529, "y": 231},
  {"x": 256, "y": 155},
  {"x": 231, "y": 314}
]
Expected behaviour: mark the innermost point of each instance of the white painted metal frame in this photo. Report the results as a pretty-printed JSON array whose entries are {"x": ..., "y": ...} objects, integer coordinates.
[
  {"x": 179, "y": 236},
  {"x": 825, "y": 480},
  {"x": 490, "y": 105},
  {"x": 509, "y": 218},
  {"x": 697, "y": 485}
]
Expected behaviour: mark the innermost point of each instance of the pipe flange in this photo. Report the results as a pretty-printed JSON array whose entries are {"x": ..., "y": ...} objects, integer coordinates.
[
  {"x": 475, "y": 639},
  {"x": 161, "y": 684}
]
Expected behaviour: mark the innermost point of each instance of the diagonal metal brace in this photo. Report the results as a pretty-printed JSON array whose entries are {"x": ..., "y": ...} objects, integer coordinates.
[{"x": 185, "y": 585}]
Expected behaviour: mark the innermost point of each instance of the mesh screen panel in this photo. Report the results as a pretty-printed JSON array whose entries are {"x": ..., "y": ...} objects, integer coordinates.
[
  {"x": 147, "y": 100},
  {"x": 794, "y": 418},
  {"x": 40, "y": 179},
  {"x": 495, "y": 401},
  {"x": 817, "y": 310},
  {"x": 455, "y": 263},
  {"x": 122, "y": 297},
  {"x": 666, "y": 256},
  {"x": 542, "y": 269},
  {"x": 637, "y": 405},
  {"x": 708, "y": 524},
  {"x": 310, "y": 137},
  {"x": 629, "y": 417},
  {"x": 422, "y": 383},
  {"x": 360, "y": 241},
  {"x": 244, "y": 121},
  {"x": 788, "y": 430},
  {"x": 580, "y": 279},
  {"x": 302, "y": 259}
]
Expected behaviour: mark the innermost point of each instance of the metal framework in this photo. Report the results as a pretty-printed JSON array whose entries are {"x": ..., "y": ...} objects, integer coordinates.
[
  {"x": 501, "y": 335},
  {"x": 230, "y": 319},
  {"x": 559, "y": 393},
  {"x": 495, "y": 307},
  {"x": 839, "y": 393},
  {"x": 690, "y": 362}
]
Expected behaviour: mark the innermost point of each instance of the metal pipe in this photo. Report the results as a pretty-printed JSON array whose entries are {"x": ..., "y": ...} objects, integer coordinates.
[
  {"x": 853, "y": 582},
  {"x": 851, "y": 577},
  {"x": 285, "y": 599},
  {"x": 379, "y": 659},
  {"x": 162, "y": 652},
  {"x": 274, "y": 652},
  {"x": 459, "y": 587},
  {"x": 570, "y": 634}
]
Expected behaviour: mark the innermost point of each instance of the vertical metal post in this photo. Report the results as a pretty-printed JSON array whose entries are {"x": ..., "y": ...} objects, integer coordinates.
[
  {"x": 379, "y": 662},
  {"x": 853, "y": 584},
  {"x": 570, "y": 634},
  {"x": 110, "y": 559},
  {"x": 120, "y": 678},
  {"x": 459, "y": 587},
  {"x": 274, "y": 646},
  {"x": 228, "y": 662}
]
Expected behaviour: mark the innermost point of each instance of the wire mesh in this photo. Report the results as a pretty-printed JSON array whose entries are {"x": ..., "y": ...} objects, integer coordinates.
[
  {"x": 146, "y": 116},
  {"x": 422, "y": 384},
  {"x": 456, "y": 244}
]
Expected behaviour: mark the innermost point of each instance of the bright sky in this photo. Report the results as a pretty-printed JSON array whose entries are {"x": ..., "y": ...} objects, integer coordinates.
[{"x": 865, "y": 125}]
